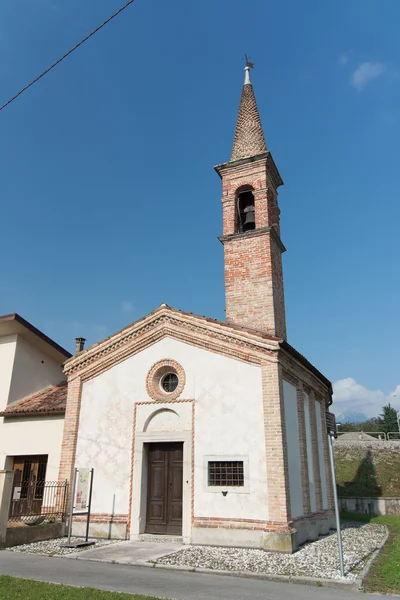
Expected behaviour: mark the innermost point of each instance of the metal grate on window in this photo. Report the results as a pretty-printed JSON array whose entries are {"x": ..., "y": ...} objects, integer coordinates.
[
  {"x": 169, "y": 382},
  {"x": 226, "y": 473}
]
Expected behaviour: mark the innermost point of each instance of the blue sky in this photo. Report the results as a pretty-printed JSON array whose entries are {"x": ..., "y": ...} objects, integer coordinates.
[{"x": 110, "y": 205}]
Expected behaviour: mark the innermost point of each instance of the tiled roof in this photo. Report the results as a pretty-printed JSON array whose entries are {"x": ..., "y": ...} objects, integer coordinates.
[
  {"x": 51, "y": 400},
  {"x": 249, "y": 137}
]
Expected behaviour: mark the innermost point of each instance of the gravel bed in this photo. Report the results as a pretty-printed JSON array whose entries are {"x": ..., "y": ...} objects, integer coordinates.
[
  {"x": 55, "y": 547},
  {"x": 314, "y": 559}
]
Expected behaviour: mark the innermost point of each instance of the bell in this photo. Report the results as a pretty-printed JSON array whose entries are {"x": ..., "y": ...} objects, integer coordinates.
[{"x": 249, "y": 220}]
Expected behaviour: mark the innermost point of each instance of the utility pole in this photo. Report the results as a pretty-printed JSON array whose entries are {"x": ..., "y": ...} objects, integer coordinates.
[{"x": 331, "y": 431}]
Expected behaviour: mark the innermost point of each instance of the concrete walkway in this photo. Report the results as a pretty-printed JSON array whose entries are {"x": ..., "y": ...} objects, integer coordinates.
[
  {"x": 161, "y": 583},
  {"x": 129, "y": 553}
]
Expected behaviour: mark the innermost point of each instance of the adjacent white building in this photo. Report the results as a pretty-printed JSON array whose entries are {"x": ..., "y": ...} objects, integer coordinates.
[{"x": 32, "y": 400}]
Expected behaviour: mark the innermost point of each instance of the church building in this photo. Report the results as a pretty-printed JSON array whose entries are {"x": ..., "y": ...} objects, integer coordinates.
[{"x": 212, "y": 431}]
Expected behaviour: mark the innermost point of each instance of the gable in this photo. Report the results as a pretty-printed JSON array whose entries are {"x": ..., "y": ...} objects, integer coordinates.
[
  {"x": 225, "y": 340},
  {"x": 206, "y": 374}
]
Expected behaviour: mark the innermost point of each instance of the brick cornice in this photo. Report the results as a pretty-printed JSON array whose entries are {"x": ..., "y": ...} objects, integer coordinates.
[
  {"x": 265, "y": 160},
  {"x": 242, "y": 162},
  {"x": 297, "y": 373},
  {"x": 253, "y": 233},
  {"x": 165, "y": 322}
]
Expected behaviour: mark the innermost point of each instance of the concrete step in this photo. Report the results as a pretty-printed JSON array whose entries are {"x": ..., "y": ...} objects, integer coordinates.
[{"x": 161, "y": 539}]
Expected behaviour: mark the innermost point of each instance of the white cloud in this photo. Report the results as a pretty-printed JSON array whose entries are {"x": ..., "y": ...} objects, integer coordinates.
[
  {"x": 126, "y": 306},
  {"x": 366, "y": 73},
  {"x": 343, "y": 59},
  {"x": 351, "y": 397}
]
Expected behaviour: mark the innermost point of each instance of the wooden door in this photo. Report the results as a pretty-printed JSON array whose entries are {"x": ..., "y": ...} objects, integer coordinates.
[
  {"x": 29, "y": 478},
  {"x": 164, "y": 488}
]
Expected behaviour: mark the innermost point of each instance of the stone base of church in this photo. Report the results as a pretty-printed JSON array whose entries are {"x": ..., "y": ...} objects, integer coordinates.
[
  {"x": 286, "y": 538},
  {"x": 309, "y": 528},
  {"x": 101, "y": 526},
  {"x": 245, "y": 538}
]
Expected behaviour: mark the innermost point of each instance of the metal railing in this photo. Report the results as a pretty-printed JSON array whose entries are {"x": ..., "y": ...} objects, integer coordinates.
[
  {"x": 36, "y": 501},
  {"x": 361, "y": 435},
  {"x": 391, "y": 436}
]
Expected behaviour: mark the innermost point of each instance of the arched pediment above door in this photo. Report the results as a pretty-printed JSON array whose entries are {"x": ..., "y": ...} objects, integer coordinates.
[{"x": 163, "y": 419}]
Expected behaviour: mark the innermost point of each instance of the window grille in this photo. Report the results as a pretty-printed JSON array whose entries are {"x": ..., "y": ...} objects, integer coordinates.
[
  {"x": 169, "y": 382},
  {"x": 226, "y": 473}
]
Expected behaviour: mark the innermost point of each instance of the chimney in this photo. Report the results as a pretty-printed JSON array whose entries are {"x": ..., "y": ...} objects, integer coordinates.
[{"x": 79, "y": 344}]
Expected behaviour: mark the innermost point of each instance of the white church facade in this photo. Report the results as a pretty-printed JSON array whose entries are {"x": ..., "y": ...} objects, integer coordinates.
[{"x": 213, "y": 431}]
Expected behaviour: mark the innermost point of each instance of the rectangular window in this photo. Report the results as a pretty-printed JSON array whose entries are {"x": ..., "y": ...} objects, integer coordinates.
[{"x": 226, "y": 473}]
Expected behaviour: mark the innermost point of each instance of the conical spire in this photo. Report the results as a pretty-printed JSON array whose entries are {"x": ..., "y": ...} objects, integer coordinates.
[{"x": 249, "y": 137}]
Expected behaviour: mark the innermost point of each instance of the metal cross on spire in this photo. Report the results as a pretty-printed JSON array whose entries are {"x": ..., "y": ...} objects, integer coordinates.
[{"x": 249, "y": 64}]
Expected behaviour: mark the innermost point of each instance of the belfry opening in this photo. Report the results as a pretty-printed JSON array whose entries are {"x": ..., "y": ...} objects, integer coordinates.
[{"x": 245, "y": 211}]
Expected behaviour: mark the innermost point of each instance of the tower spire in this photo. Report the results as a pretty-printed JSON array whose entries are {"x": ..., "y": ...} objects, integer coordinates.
[{"x": 249, "y": 137}]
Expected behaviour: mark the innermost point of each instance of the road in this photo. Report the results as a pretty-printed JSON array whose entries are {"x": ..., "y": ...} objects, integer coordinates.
[{"x": 162, "y": 583}]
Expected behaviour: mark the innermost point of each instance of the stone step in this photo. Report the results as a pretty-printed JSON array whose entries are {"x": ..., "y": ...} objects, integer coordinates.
[{"x": 153, "y": 537}]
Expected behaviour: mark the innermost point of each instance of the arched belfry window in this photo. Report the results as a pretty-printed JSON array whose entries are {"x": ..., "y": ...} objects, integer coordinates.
[{"x": 245, "y": 219}]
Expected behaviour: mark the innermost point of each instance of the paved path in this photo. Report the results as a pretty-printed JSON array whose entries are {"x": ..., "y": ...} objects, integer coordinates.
[
  {"x": 129, "y": 553},
  {"x": 161, "y": 583}
]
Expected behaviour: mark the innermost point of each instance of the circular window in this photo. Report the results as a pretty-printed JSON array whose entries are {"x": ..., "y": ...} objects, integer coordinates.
[
  {"x": 169, "y": 382},
  {"x": 165, "y": 380}
]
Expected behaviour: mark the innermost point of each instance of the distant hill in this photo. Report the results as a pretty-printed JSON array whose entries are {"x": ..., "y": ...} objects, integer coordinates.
[{"x": 349, "y": 416}]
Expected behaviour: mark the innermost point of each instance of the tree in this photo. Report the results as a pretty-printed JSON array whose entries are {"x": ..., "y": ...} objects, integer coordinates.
[
  {"x": 371, "y": 425},
  {"x": 388, "y": 420}
]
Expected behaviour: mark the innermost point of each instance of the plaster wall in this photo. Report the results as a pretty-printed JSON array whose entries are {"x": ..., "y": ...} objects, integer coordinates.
[
  {"x": 7, "y": 354},
  {"x": 33, "y": 371},
  {"x": 228, "y": 422},
  {"x": 293, "y": 449},
  {"x": 310, "y": 461},
  {"x": 322, "y": 468},
  {"x": 34, "y": 435}
]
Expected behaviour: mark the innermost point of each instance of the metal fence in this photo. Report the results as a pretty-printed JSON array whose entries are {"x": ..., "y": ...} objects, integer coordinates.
[
  {"x": 34, "y": 501},
  {"x": 366, "y": 436}
]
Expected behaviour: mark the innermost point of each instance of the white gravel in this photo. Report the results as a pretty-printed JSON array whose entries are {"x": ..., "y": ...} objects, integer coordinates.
[
  {"x": 315, "y": 559},
  {"x": 55, "y": 547}
]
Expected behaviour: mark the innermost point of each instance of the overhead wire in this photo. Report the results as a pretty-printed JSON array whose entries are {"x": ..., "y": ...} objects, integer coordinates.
[{"x": 67, "y": 54}]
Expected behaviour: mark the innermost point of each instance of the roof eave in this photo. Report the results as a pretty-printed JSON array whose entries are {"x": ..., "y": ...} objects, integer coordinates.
[
  {"x": 38, "y": 413},
  {"x": 32, "y": 329},
  {"x": 286, "y": 346}
]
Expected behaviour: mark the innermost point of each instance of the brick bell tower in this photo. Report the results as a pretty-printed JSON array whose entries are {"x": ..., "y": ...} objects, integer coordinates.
[{"x": 251, "y": 234}]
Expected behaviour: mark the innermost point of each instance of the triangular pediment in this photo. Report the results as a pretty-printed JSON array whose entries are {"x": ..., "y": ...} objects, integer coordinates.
[{"x": 244, "y": 344}]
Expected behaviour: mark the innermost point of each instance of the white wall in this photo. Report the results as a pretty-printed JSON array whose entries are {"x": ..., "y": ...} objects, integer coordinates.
[
  {"x": 33, "y": 371},
  {"x": 322, "y": 470},
  {"x": 310, "y": 462},
  {"x": 228, "y": 421},
  {"x": 7, "y": 353},
  {"x": 293, "y": 449},
  {"x": 34, "y": 435}
]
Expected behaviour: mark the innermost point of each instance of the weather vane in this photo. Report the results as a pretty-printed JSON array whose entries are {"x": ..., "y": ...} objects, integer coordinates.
[{"x": 248, "y": 63}]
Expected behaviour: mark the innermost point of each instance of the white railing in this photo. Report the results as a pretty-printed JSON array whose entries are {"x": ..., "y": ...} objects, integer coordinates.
[{"x": 378, "y": 435}]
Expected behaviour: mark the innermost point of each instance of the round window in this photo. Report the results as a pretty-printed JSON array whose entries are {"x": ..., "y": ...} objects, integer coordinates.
[
  {"x": 169, "y": 382},
  {"x": 165, "y": 380}
]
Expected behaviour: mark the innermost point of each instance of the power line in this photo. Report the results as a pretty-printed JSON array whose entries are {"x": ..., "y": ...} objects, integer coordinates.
[{"x": 67, "y": 54}]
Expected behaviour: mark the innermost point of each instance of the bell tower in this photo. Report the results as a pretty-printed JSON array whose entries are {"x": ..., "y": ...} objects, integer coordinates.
[{"x": 251, "y": 233}]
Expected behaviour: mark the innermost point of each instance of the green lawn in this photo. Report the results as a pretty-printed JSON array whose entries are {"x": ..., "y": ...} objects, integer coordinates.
[
  {"x": 367, "y": 473},
  {"x": 384, "y": 575},
  {"x": 24, "y": 589}
]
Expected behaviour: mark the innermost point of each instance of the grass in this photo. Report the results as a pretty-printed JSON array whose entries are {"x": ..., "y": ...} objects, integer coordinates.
[
  {"x": 384, "y": 575},
  {"x": 367, "y": 471},
  {"x": 24, "y": 589}
]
